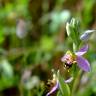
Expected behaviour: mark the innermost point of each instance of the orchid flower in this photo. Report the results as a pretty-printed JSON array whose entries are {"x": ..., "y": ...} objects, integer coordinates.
[
  {"x": 70, "y": 59},
  {"x": 56, "y": 87}
]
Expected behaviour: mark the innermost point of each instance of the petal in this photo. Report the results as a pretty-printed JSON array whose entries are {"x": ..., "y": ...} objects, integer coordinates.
[
  {"x": 53, "y": 89},
  {"x": 82, "y": 51},
  {"x": 68, "y": 80},
  {"x": 83, "y": 63},
  {"x": 63, "y": 58},
  {"x": 66, "y": 56}
]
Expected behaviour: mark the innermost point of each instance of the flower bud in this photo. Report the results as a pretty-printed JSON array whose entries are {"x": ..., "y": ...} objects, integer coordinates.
[
  {"x": 68, "y": 29},
  {"x": 86, "y": 35}
]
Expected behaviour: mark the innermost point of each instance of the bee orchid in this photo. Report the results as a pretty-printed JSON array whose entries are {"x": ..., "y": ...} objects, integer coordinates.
[
  {"x": 56, "y": 86},
  {"x": 70, "y": 59}
]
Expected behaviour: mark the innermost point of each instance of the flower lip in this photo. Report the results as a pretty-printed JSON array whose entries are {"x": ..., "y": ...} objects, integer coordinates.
[{"x": 68, "y": 58}]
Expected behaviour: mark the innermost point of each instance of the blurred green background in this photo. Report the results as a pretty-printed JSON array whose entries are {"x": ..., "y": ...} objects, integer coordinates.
[{"x": 33, "y": 39}]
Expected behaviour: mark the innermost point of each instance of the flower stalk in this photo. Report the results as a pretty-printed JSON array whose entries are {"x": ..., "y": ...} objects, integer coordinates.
[{"x": 72, "y": 59}]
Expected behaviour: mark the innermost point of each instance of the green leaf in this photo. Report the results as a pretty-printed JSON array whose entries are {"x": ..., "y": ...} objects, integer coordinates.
[
  {"x": 64, "y": 88},
  {"x": 59, "y": 93}
]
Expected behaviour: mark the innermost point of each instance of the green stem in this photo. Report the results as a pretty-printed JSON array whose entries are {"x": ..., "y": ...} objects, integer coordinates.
[{"x": 76, "y": 82}]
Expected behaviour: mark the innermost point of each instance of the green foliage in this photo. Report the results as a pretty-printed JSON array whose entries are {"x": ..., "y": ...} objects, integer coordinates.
[
  {"x": 87, "y": 12},
  {"x": 47, "y": 43},
  {"x": 44, "y": 44}
]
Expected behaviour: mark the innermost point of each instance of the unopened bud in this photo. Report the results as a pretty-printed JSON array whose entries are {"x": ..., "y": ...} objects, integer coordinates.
[{"x": 86, "y": 35}]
